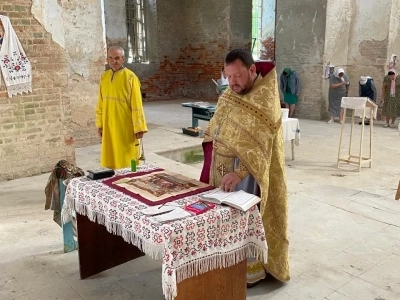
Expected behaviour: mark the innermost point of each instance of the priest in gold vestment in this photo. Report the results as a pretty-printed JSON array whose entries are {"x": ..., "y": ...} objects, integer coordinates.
[
  {"x": 244, "y": 149},
  {"x": 120, "y": 118}
]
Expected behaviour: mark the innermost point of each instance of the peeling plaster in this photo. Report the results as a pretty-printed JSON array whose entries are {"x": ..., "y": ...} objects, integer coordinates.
[
  {"x": 84, "y": 35},
  {"x": 49, "y": 14},
  {"x": 75, "y": 26}
]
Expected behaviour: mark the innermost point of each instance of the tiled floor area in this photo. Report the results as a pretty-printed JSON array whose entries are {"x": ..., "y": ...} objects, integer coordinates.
[{"x": 344, "y": 225}]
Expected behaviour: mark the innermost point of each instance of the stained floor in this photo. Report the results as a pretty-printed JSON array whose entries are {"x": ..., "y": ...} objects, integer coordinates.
[{"x": 344, "y": 225}]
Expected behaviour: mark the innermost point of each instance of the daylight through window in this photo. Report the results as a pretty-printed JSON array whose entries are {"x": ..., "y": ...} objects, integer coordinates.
[{"x": 136, "y": 31}]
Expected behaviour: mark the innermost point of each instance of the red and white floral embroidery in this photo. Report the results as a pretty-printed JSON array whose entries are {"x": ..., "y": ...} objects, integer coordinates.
[{"x": 218, "y": 238}]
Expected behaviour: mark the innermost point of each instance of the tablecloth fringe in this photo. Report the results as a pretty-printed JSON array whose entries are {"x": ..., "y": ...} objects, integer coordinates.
[
  {"x": 214, "y": 261},
  {"x": 219, "y": 260},
  {"x": 153, "y": 251}
]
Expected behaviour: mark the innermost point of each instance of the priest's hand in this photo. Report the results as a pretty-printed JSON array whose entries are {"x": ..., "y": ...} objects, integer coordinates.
[
  {"x": 139, "y": 135},
  {"x": 100, "y": 132},
  {"x": 229, "y": 182}
]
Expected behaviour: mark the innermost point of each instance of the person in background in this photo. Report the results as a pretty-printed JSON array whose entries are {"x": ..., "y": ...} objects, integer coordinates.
[
  {"x": 290, "y": 87},
  {"x": 367, "y": 89},
  {"x": 391, "y": 98},
  {"x": 223, "y": 82},
  {"x": 339, "y": 84},
  {"x": 393, "y": 63},
  {"x": 120, "y": 118}
]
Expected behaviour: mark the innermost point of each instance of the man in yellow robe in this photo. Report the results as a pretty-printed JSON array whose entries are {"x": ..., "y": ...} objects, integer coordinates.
[
  {"x": 120, "y": 118},
  {"x": 244, "y": 141}
]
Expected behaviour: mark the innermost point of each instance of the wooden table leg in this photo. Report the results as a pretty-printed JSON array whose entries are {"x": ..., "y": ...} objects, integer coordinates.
[
  {"x": 341, "y": 136},
  {"x": 100, "y": 250},
  {"x": 219, "y": 284},
  {"x": 371, "y": 133},
  {"x": 361, "y": 141}
]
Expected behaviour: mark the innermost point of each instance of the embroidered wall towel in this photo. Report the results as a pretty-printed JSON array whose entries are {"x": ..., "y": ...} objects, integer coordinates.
[{"x": 15, "y": 66}]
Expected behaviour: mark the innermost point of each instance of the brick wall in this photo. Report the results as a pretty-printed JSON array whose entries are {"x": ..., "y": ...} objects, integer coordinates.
[
  {"x": 34, "y": 128},
  {"x": 191, "y": 47},
  {"x": 268, "y": 49},
  {"x": 187, "y": 74}
]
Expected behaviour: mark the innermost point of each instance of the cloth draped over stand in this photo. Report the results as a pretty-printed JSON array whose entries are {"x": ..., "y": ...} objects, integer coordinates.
[
  {"x": 62, "y": 170},
  {"x": 14, "y": 64},
  {"x": 359, "y": 104}
]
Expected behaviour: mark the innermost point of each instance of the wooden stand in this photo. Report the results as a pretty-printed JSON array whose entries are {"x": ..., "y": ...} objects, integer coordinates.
[
  {"x": 359, "y": 159},
  {"x": 219, "y": 284},
  {"x": 100, "y": 250}
]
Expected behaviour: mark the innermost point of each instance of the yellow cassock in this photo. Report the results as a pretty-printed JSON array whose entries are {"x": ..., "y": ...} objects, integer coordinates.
[{"x": 120, "y": 113}]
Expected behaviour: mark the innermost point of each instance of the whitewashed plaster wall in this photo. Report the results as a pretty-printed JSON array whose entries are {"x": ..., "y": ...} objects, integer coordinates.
[
  {"x": 78, "y": 27},
  {"x": 49, "y": 14},
  {"x": 338, "y": 24},
  {"x": 361, "y": 35},
  {"x": 114, "y": 13},
  {"x": 300, "y": 44}
]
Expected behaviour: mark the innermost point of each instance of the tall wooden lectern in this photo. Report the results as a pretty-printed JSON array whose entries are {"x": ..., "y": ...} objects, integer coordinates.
[{"x": 362, "y": 107}]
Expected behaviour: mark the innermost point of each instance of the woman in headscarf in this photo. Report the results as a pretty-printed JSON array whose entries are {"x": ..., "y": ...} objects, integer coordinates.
[
  {"x": 367, "y": 88},
  {"x": 393, "y": 62},
  {"x": 339, "y": 84},
  {"x": 290, "y": 87},
  {"x": 391, "y": 97}
]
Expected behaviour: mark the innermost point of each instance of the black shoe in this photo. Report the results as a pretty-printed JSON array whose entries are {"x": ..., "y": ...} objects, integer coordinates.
[{"x": 365, "y": 122}]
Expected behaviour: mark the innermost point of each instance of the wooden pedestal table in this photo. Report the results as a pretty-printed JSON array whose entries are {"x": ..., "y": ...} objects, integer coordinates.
[
  {"x": 100, "y": 250},
  {"x": 361, "y": 107}
]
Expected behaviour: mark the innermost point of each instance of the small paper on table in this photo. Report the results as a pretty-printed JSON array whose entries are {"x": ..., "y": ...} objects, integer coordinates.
[{"x": 159, "y": 209}]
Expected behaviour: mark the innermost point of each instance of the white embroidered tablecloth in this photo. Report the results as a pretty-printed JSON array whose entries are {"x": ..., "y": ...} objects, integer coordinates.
[
  {"x": 219, "y": 238},
  {"x": 291, "y": 130}
]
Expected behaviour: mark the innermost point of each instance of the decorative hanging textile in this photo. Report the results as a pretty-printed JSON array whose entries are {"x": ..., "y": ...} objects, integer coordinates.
[{"x": 15, "y": 66}]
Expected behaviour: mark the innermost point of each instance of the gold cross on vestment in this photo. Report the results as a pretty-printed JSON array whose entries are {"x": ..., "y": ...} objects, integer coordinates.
[{"x": 222, "y": 169}]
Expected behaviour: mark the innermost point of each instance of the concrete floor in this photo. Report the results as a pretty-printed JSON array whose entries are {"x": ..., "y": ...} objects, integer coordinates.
[{"x": 344, "y": 225}]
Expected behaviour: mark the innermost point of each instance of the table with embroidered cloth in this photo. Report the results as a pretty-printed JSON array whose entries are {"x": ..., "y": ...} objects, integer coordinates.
[
  {"x": 291, "y": 132},
  {"x": 194, "y": 251}
]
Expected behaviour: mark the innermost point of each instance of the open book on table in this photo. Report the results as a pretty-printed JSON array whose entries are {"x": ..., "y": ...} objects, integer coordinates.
[{"x": 239, "y": 199}]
